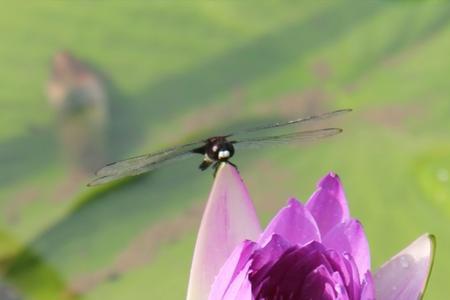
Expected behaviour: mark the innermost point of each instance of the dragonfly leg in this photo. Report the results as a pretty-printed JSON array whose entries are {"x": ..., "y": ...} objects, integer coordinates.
[
  {"x": 217, "y": 164},
  {"x": 205, "y": 165},
  {"x": 216, "y": 167},
  {"x": 232, "y": 164}
]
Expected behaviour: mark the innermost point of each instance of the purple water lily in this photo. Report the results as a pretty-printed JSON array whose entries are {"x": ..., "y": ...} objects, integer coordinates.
[{"x": 312, "y": 251}]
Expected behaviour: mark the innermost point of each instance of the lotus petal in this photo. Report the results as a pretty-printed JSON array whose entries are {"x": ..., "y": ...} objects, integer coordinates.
[
  {"x": 404, "y": 277},
  {"x": 350, "y": 237},
  {"x": 328, "y": 204},
  {"x": 294, "y": 223},
  {"x": 229, "y": 218}
]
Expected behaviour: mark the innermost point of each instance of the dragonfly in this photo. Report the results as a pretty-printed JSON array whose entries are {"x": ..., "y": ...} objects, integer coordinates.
[{"x": 218, "y": 149}]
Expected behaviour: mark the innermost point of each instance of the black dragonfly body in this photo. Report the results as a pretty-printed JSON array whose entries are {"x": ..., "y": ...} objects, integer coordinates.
[{"x": 217, "y": 149}]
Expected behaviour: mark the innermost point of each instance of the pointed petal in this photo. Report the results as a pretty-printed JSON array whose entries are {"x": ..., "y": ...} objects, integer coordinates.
[
  {"x": 231, "y": 269},
  {"x": 240, "y": 288},
  {"x": 404, "y": 276},
  {"x": 271, "y": 251},
  {"x": 368, "y": 292},
  {"x": 350, "y": 237},
  {"x": 294, "y": 223},
  {"x": 229, "y": 218},
  {"x": 232, "y": 282},
  {"x": 328, "y": 204}
]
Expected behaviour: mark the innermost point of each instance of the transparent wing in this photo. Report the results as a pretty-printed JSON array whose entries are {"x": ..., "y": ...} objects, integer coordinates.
[
  {"x": 304, "y": 120},
  {"x": 144, "y": 163},
  {"x": 301, "y": 136}
]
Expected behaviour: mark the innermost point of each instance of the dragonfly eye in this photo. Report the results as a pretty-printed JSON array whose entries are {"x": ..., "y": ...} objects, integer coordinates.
[{"x": 224, "y": 154}]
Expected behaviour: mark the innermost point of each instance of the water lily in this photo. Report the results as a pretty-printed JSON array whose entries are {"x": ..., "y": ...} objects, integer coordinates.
[{"x": 311, "y": 251}]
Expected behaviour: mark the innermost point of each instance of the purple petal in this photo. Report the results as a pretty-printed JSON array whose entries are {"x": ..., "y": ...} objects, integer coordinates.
[
  {"x": 240, "y": 288},
  {"x": 368, "y": 292},
  {"x": 404, "y": 276},
  {"x": 294, "y": 223},
  {"x": 231, "y": 269},
  {"x": 229, "y": 218},
  {"x": 328, "y": 204},
  {"x": 270, "y": 252},
  {"x": 318, "y": 285},
  {"x": 339, "y": 287},
  {"x": 350, "y": 237},
  {"x": 348, "y": 271},
  {"x": 286, "y": 275},
  {"x": 354, "y": 288}
]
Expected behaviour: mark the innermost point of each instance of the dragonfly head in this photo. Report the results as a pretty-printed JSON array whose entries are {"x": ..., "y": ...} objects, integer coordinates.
[{"x": 219, "y": 149}]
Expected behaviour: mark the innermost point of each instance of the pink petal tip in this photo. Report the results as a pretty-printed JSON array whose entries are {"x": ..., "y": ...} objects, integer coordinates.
[
  {"x": 405, "y": 276},
  {"x": 228, "y": 219}
]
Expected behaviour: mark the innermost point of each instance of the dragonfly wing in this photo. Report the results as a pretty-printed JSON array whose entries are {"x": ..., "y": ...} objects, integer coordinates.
[
  {"x": 105, "y": 179},
  {"x": 137, "y": 167},
  {"x": 304, "y": 120},
  {"x": 299, "y": 137},
  {"x": 144, "y": 163}
]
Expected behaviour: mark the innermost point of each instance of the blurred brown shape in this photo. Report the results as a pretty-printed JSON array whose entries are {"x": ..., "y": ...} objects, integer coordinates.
[{"x": 79, "y": 98}]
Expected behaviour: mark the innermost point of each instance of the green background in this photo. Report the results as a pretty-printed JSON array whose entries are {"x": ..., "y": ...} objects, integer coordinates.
[{"x": 181, "y": 70}]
